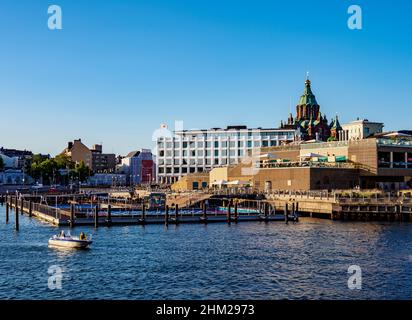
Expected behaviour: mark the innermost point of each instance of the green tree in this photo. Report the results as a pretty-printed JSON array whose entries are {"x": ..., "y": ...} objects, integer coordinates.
[{"x": 82, "y": 171}]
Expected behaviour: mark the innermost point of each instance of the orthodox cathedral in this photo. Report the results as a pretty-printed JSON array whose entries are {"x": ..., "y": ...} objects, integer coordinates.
[{"x": 309, "y": 122}]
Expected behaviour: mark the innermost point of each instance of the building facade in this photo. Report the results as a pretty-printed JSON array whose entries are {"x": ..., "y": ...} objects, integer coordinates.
[
  {"x": 192, "y": 151},
  {"x": 360, "y": 129},
  {"x": 139, "y": 167},
  {"x": 93, "y": 158}
]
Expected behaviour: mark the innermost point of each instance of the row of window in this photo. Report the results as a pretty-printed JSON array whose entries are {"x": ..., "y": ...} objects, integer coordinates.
[
  {"x": 201, "y": 153},
  {"x": 216, "y": 144},
  {"x": 183, "y": 170},
  {"x": 200, "y": 162},
  {"x": 237, "y": 134}
]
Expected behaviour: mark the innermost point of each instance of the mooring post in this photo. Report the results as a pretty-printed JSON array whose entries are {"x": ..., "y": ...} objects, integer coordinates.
[
  {"x": 16, "y": 205},
  {"x": 109, "y": 214},
  {"x": 96, "y": 216},
  {"x": 266, "y": 209},
  {"x": 16, "y": 217},
  {"x": 177, "y": 214},
  {"x": 204, "y": 211},
  {"x": 167, "y": 215},
  {"x": 22, "y": 205},
  {"x": 72, "y": 215},
  {"x": 286, "y": 213},
  {"x": 143, "y": 211},
  {"x": 30, "y": 208},
  {"x": 7, "y": 212},
  {"x": 236, "y": 213},
  {"x": 229, "y": 209}
]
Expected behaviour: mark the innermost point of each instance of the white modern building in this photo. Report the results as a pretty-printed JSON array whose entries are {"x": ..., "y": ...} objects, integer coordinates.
[
  {"x": 190, "y": 151},
  {"x": 359, "y": 129}
]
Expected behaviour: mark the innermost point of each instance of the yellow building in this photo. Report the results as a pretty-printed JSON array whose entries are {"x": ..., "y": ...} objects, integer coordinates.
[{"x": 193, "y": 181}]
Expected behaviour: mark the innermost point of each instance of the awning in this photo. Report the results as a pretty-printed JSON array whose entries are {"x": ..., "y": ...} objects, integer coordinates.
[
  {"x": 238, "y": 183},
  {"x": 312, "y": 155}
]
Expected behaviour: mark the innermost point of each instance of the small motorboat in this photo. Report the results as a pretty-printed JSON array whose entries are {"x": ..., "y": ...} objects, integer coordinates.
[{"x": 68, "y": 241}]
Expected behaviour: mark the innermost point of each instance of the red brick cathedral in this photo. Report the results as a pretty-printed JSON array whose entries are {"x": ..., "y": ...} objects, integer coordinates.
[{"x": 309, "y": 121}]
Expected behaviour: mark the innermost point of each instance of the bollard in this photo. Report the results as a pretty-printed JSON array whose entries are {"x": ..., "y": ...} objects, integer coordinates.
[
  {"x": 96, "y": 216},
  {"x": 30, "y": 208},
  {"x": 72, "y": 215},
  {"x": 109, "y": 215},
  {"x": 286, "y": 213},
  {"x": 176, "y": 214},
  {"x": 167, "y": 215},
  {"x": 7, "y": 212}
]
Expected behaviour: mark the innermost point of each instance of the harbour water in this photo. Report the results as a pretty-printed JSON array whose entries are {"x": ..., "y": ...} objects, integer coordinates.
[{"x": 256, "y": 260}]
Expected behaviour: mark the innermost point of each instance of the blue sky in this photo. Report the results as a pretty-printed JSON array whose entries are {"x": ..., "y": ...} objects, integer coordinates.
[{"x": 119, "y": 69}]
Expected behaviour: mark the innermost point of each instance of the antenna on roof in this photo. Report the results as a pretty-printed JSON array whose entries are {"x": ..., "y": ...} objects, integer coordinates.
[{"x": 307, "y": 75}]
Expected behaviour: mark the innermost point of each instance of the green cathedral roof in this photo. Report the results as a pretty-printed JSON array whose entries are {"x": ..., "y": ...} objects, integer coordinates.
[{"x": 308, "y": 97}]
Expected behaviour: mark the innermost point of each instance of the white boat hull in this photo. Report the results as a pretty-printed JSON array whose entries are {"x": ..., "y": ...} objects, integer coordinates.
[{"x": 70, "y": 243}]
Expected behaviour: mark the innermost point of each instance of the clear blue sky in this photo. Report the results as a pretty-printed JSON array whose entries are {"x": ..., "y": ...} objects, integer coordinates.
[{"x": 120, "y": 68}]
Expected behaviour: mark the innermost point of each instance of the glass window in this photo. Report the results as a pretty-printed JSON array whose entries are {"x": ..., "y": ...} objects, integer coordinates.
[
  {"x": 240, "y": 144},
  {"x": 223, "y": 161},
  {"x": 168, "y": 145},
  {"x": 176, "y": 153},
  {"x": 216, "y": 153},
  {"x": 184, "y": 145},
  {"x": 249, "y": 144},
  {"x": 224, "y": 153},
  {"x": 208, "y": 162},
  {"x": 200, "y": 144},
  {"x": 161, "y": 170},
  {"x": 184, "y": 170},
  {"x": 208, "y": 153},
  {"x": 184, "y": 153},
  {"x": 240, "y": 153},
  {"x": 224, "y": 144},
  {"x": 192, "y": 170},
  {"x": 168, "y": 162},
  {"x": 177, "y": 162},
  {"x": 200, "y": 161},
  {"x": 216, "y": 144},
  {"x": 161, "y": 153},
  {"x": 200, "y": 153},
  {"x": 177, "y": 145},
  {"x": 168, "y": 153},
  {"x": 168, "y": 170},
  {"x": 265, "y": 143},
  {"x": 176, "y": 170},
  {"x": 232, "y": 144},
  {"x": 193, "y": 153},
  {"x": 232, "y": 153},
  {"x": 257, "y": 144},
  {"x": 216, "y": 161},
  {"x": 208, "y": 144}
]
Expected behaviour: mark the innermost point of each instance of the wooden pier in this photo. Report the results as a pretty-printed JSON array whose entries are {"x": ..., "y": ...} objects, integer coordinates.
[{"x": 103, "y": 215}]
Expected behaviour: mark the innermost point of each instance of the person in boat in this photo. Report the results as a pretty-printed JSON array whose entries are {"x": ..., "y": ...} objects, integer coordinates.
[
  {"x": 82, "y": 236},
  {"x": 62, "y": 234}
]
